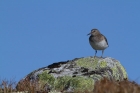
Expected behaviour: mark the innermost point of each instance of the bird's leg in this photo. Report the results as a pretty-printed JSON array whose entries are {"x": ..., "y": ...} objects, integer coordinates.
[
  {"x": 102, "y": 53},
  {"x": 95, "y": 53}
]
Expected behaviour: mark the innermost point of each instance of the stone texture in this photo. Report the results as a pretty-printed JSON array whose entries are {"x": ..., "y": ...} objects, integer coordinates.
[{"x": 88, "y": 68}]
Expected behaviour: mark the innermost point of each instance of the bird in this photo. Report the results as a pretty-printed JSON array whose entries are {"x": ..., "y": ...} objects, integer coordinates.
[{"x": 98, "y": 41}]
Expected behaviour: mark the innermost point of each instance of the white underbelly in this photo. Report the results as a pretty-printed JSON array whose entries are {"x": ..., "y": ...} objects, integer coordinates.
[{"x": 99, "y": 45}]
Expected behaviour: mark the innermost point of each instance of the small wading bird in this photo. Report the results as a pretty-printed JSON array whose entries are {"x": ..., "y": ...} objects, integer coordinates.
[{"x": 97, "y": 41}]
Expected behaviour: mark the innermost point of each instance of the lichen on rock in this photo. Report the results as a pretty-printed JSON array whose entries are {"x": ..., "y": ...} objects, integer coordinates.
[{"x": 79, "y": 73}]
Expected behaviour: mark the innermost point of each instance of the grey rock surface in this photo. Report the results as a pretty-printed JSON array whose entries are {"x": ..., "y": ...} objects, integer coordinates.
[{"x": 88, "y": 67}]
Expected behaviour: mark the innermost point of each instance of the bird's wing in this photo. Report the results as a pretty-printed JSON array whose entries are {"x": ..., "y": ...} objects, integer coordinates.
[{"x": 106, "y": 40}]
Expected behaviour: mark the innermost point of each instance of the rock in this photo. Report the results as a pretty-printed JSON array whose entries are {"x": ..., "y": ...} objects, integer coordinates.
[{"x": 80, "y": 73}]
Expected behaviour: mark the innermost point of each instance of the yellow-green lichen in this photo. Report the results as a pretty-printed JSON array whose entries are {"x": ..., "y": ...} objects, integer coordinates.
[
  {"x": 115, "y": 73},
  {"x": 87, "y": 63},
  {"x": 123, "y": 70},
  {"x": 46, "y": 78},
  {"x": 103, "y": 64},
  {"x": 46, "y": 71},
  {"x": 78, "y": 83}
]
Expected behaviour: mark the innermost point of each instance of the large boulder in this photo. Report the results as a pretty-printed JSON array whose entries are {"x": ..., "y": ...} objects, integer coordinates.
[{"x": 77, "y": 74}]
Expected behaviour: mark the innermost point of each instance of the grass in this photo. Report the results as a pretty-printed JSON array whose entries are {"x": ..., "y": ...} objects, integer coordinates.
[
  {"x": 111, "y": 86},
  {"x": 7, "y": 86},
  {"x": 103, "y": 86}
]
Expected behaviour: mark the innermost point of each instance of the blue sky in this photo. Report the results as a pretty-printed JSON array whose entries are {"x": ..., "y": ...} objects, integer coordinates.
[{"x": 35, "y": 33}]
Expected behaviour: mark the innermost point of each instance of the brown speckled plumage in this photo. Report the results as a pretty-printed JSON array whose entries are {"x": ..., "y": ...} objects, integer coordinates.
[{"x": 97, "y": 41}]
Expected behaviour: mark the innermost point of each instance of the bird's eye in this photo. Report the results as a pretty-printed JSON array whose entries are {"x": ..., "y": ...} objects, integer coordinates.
[{"x": 92, "y": 31}]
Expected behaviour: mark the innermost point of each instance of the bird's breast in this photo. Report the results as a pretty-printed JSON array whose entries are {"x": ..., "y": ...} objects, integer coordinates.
[{"x": 99, "y": 45}]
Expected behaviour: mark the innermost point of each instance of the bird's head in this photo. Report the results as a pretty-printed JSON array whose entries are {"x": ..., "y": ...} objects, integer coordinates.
[{"x": 94, "y": 32}]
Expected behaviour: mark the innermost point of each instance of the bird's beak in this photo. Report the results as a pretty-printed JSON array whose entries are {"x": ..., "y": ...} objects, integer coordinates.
[{"x": 88, "y": 34}]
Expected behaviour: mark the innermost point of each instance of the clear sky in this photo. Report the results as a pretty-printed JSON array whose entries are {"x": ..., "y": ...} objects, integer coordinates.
[{"x": 36, "y": 33}]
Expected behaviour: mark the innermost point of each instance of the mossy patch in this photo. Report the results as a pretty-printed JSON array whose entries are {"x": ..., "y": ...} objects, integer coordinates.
[
  {"x": 115, "y": 73},
  {"x": 119, "y": 71},
  {"x": 90, "y": 63},
  {"x": 103, "y": 64},
  {"x": 77, "y": 83},
  {"x": 123, "y": 70},
  {"x": 46, "y": 78}
]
